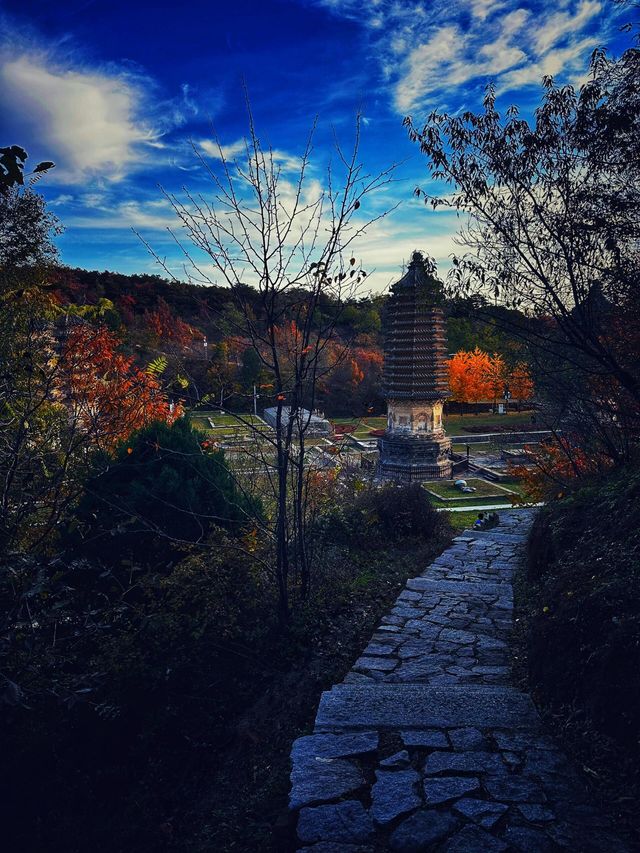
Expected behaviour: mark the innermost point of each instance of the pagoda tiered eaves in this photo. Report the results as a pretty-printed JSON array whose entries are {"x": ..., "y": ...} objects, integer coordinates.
[{"x": 415, "y": 382}]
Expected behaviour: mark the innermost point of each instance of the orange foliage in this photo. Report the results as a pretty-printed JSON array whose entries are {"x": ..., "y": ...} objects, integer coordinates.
[
  {"x": 108, "y": 396},
  {"x": 495, "y": 376},
  {"x": 468, "y": 372},
  {"x": 289, "y": 339},
  {"x": 476, "y": 376},
  {"x": 556, "y": 463},
  {"x": 357, "y": 374},
  {"x": 520, "y": 382}
]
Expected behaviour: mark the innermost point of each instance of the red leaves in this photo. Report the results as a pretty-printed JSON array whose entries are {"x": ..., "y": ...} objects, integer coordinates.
[{"x": 108, "y": 396}]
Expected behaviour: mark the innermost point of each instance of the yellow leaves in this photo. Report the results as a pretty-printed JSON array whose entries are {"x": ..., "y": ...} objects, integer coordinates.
[{"x": 251, "y": 540}]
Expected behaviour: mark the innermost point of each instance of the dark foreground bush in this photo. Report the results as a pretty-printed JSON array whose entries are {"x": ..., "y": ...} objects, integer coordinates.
[
  {"x": 160, "y": 493},
  {"x": 367, "y": 516},
  {"x": 154, "y": 710},
  {"x": 584, "y": 655}
]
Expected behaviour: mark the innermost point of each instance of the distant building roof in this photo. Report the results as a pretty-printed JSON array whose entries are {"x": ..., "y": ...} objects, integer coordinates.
[{"x": 313, "y": 421}]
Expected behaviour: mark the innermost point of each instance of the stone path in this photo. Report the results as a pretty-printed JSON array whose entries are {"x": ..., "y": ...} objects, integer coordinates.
[{"x": 425, "y": 746}]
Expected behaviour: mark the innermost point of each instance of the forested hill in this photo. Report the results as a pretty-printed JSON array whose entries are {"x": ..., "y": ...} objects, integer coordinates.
[{"x": 198, "y": 330}]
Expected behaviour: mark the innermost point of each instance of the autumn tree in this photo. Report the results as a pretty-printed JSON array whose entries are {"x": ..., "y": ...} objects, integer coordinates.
[
  {"x": 58, "y": 375},
  {"x": 104, "y": 392},
  {"x": 495, "y": 377},
  {"x": 29, "y": 424},
  {"x": 520, "y": 383},
  {"x": 469, "y": 376},
  {"x": 292, "y": 241}
]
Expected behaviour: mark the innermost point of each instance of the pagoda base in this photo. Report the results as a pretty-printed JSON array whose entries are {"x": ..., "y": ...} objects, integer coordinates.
[{"x": 412, "y": 457}]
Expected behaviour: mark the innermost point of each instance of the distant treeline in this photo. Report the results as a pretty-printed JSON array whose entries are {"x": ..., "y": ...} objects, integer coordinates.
[{"x": 197, "y": 330}]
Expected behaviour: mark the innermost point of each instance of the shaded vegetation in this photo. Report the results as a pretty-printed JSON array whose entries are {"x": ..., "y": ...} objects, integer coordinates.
[
  {"x": 158, "y": 715},
  {"x": 581, "y": 605}
]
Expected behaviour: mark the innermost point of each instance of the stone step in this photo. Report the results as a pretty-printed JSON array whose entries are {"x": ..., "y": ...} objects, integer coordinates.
[
  {"x": 353, "y": 707},
  {"x": 480, "y": 588},
  {"x": 495, "y": 535}
]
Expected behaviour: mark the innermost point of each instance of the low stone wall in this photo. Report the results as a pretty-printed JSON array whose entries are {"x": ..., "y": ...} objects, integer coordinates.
[{"x": 527, "y": 436}]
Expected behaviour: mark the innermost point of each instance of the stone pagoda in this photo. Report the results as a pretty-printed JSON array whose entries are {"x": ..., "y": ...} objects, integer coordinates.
[{"x": 414, "y": 446}]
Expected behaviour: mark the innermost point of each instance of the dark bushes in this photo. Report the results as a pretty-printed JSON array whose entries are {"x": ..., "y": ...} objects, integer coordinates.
[
  {"x": 393, "y": 515},
  {"x": 160, "y": 493},
  {"x": 584, "y": 564}
]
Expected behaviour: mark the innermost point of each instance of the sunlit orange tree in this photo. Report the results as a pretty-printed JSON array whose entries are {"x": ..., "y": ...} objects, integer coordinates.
[{"x": 469, "y": 376}]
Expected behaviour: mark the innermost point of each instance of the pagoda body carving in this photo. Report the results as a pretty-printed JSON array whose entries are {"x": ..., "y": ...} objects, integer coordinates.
[{"x": 414, "y": 446}]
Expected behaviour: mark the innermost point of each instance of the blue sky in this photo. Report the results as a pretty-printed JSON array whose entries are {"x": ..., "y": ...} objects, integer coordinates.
[{"x": 117, "y": 92}]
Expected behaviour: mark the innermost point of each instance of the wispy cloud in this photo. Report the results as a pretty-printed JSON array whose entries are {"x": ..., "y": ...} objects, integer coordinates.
[
  {"x": 436, "y": 53},
  {"x": 237, "y": 150},
  {"x": 90, "y": 122},
  {"x": 95, "y": 121}
]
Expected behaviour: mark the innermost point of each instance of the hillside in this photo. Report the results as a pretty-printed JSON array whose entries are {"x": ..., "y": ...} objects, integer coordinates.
[{"x": 200, "y": 332}]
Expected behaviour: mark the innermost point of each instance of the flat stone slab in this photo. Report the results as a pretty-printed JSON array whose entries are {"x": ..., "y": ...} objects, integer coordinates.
[
  {"x": 472, "y": 839},
  {"x": 320, "y": 770},
  {"x": 334, "y": 746},
  {"x": 462, "y": 762},
  {"x": 424, "y": 583},
  {"x": 487, "y": 814},
  {"x": 346, "y": 822},
  {"x": 394, "y": 793},
  {"x": 420, "y": 831},
  {"x": 442, "y": 790},
  {"x": 420, "y": 706},
  {"x": 316, "y": 780},
  {"x": 433, "y": 739}
]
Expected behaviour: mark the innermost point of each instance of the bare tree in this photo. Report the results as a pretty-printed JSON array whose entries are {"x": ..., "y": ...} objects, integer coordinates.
[{"x": 284, "y": 246}]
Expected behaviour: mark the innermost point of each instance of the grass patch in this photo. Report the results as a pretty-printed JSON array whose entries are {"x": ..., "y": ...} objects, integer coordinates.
[
  {"x": 454, "y": 424},
  {"x": 462, "y": 520},
  {"x": 362, "y": 423},
  {"x": 446, "y": 491}
]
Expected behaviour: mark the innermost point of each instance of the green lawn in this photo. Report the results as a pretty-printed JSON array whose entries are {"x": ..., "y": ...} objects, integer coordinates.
[
  {"x": 363, "y": 423},
  {"x": 462, "y": 520},
  {"x": 454, "y": 424},
  {"x": 224, "y": 419},
  {"x": 446, "y": 490}
]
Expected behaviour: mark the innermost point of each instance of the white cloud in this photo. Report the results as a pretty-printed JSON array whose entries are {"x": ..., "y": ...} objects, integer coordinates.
[
  {"x": 214, "y": 149},
  {"x": 568, "y": 60},
  {"x": 562, "y": 23},
  {"x": 428, "y": 52},
  {"x": 89, "y": 121},
  {"x": 97, "y": 122},
  {"x": 481, "y": 9},
  {"x": 238, "y": 150},
  {"x": 99, "y": 213}
]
